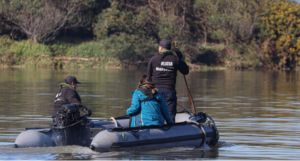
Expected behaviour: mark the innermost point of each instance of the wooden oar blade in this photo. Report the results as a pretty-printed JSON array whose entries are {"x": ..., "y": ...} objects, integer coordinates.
[{"x": 192, "y": 104}]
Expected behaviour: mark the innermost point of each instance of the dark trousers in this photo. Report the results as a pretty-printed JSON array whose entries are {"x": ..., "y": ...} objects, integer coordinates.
[{"x": 171, "y": 101}]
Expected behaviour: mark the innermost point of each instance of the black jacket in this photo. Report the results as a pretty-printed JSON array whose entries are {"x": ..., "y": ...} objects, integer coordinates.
[
  {"x": 70, "y": 98},
  {"x": 164, "y": 74}
]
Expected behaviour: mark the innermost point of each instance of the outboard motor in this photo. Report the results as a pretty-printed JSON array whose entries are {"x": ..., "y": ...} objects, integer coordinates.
[
  {"x": 70, "y": 127},
  {"x": 67, "y": 115}
]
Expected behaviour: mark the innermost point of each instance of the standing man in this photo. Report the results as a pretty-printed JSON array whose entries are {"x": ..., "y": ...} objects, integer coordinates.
[
  {"x": 68, "y": 95},
  {"x": 162, "y": 70}
]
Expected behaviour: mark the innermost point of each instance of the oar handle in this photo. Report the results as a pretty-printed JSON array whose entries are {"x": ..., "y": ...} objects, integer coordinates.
[
  {"x": 175, "y": 43},
  {"x": 188, "y": 90}
]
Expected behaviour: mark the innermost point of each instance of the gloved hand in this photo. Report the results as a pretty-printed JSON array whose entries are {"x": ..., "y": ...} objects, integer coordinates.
[
  {"x": 179, "y": 53},
  {"x": 87, "y": 111},
  {"x": 79, "y": 105}
]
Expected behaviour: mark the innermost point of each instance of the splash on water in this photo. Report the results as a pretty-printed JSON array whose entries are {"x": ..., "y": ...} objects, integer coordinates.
[{"x": 222, "y": 144}]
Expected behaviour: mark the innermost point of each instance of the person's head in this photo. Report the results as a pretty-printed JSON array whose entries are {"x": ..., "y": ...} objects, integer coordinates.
[
  {"x": 72, "y": 81},
  {"x": 164, "y": 45},
  {"x": 145, "y": 80}
]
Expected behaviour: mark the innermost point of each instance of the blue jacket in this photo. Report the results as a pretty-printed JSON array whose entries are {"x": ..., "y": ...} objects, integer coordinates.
[{"x": 150, "y": 112}]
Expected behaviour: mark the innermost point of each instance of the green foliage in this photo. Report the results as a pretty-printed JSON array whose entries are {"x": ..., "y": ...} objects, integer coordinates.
[
  {"x": 15, "y": 53},
  {"x": 23, "y": 49},
  {"x": 5, "y": 44},
  {"x": 129, "y": 47},
  {"x": 115, "y": 20},
  {"x": 230, "y": 20},
  {"x": 280, "y": 26},
  {"x": 125, "y": 47},
  {"x": 28, "y": 49},
  {"x": 60, "y": 48},
  {"x": 167, "y": 28},
  {"x": 87, "y": 49},
  {"x": 222, "y": 32},
  {"x": 122, "y": 34}
]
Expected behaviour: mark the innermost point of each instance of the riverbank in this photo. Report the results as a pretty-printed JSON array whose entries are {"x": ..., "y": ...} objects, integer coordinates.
[
  {"x": 55, "y": 62},
  {"x": 97, "y": 63},
  {"x": 116, "y": 35},
  {"x": 100, "y": 54}
]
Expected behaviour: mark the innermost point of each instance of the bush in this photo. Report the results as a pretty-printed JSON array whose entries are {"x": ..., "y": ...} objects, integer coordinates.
[
  {"x": 28, "y": 49},
  {"x": 280, "y": 28},
  {"x": 60, "y": 48},
  {"x": 124, "y": 35},
  {"x": 125, "y": 47},
  {"x": 87, "y": 49},
  {"x": 22, "y": 52}
]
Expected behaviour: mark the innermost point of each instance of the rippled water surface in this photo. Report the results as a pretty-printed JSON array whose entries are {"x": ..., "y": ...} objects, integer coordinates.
[{"x": 257, "y": 112}]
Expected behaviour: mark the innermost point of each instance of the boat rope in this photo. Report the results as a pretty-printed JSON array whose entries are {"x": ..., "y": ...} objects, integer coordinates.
[
  {"x": 217, "y": 136},
  {"x": 200, "y": 126},
  {"x": 204, "y": 133},
  {"x": 209, "y": 121},
  {"x": 80, "y": 121},
  {"x": 114, "y": 120}
]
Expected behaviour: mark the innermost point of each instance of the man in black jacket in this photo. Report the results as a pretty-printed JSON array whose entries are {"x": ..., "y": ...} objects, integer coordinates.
[
  {"x": 68, "y": 95},
  {"x": 162, "y": 70}
]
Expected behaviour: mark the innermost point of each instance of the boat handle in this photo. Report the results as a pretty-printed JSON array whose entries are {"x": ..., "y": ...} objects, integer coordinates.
[{"x": 114, "y": 120}]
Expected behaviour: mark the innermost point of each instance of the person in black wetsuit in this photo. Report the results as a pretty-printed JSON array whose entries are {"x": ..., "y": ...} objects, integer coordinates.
[
  {"x": 162, "y": 70},
  {"x": 68, "y": 95}
]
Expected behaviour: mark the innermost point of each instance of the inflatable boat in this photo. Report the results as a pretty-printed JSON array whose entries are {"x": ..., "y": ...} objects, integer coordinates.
[{"x": 115, "y": 134}]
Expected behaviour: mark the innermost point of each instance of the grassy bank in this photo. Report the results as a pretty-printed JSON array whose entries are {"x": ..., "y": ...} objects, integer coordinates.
[
  {"x": 102, "y": 54},
  {"x": 56, "y": 55}
]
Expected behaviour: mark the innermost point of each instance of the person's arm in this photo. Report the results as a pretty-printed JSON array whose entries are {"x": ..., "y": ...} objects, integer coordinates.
[
  {"x": 72, "y": 98},
  {"x": 183, "y": 67},
  {"x": 164, "y": 110},
  {"x": 135, "y": 105},
  {"x": 150, "y": 69}
]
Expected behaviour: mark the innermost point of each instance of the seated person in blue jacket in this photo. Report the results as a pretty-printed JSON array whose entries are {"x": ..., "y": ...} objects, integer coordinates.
[{"x": 148, "y": 106}]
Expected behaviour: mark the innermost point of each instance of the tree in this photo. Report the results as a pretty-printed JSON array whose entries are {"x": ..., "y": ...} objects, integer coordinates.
[{"x": 43, "y": 20}]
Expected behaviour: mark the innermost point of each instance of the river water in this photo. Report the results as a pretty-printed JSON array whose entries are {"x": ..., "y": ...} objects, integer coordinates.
[{"x": 257, "y": 112}]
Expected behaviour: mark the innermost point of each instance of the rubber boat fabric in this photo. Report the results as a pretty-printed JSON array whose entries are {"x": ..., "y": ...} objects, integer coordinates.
[
  {"x": 160, "y": 140},
  {"x": 115, "y": 134}
]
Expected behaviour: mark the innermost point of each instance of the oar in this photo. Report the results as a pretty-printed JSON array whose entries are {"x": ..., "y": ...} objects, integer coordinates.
[{"x": 188, "y": 90}]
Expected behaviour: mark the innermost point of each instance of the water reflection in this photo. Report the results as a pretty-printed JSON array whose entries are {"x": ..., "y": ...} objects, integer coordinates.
[{"x": 256, "y": 112}]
